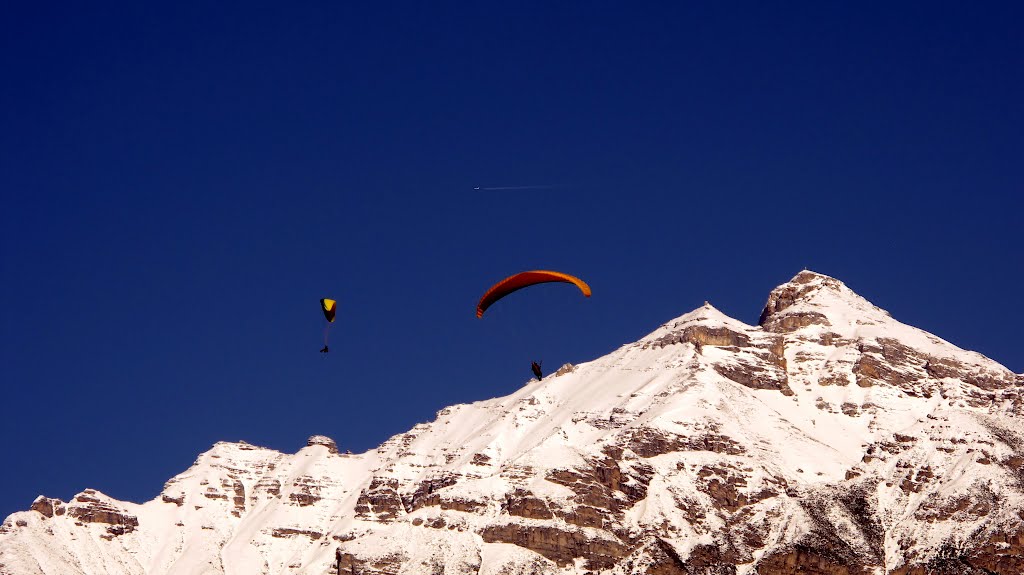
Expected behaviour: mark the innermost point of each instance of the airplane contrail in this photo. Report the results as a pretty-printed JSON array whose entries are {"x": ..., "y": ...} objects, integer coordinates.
[{"x": 540, "y": 187}]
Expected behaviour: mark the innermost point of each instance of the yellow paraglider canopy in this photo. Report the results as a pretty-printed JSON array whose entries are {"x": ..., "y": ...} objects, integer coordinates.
[{"x": 328, "y": 306}]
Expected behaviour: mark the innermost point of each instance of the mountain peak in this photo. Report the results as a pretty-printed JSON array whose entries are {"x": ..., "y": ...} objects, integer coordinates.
[
  {"x": 813, "y": 299},
  {"x": 706, "y": 315},
  {"x": 809, "y": 276}
]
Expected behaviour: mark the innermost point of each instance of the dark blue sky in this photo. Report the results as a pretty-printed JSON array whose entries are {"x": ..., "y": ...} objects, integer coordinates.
[{"x": 182, "y": 183}]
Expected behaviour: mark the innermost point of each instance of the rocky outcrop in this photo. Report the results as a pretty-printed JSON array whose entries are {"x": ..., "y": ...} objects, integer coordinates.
[
  {"x": 650, "y": 442},
  {"x": 427, "y": 493},
  {"x": 785, "y": 296},
  {"x": 562, "y": 546},
  {"x": 996, "y": 554},
  {"x": 793, "y": 321},
  {"x": 566, "y": 368},
  {"x": 726, "y": 486},
  {"x": 48, "y": 507},
  {"x": 700, "y": 335},
  {"x": 604, "y": 485},
  {"x": 380, "y": 501},
  {"x": 306, "y": 491},
  {"x": 90, "y": 506},
  {"x": 324, "y": 441},
  {"x": 756, "y": 376},
  {"x": 812, "y": 561},
  {"x": 285, "y": 532},
  {"x": 267, "y": 487},
  {"x": 386, "y": 565},
  {"x": 522, "y": 503},
  {"x": 988, "y": 380}
]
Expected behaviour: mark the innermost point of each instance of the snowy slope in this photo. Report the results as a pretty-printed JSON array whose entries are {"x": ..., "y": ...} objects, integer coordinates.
[{"x": 830, "y": 436}]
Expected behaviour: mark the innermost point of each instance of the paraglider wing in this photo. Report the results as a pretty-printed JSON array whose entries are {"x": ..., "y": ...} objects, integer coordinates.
[
  {"x": 328, "y": 306},
  {"x": 526, "y": 279}
]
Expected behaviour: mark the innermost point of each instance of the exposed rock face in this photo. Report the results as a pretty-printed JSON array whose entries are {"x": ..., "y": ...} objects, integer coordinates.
[
  {"x": 797, "y": 290},
  {"x": 830, "y": 439},
  {"x": 48, "y": 507},
  {"x": 561, "y": 546},
  {"x": 566, "y": 368},
  {"x": 522, "y": 503},
  {"x": 91, "y": 506},
  {"x": 703, "y": 335},
  {"x": 650, "y": 442},
  {"x": 380, "y": 501},
  {"x": 306, "y": 491},
  {"x": 284, "y": 532},
  {"x": 803, "y": 559},
  {"x": 323, "y": 440}
]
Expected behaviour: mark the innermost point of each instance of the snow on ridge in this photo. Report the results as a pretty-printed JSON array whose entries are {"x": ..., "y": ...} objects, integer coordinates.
[
  {"x": 811, "y": 292},
  {"x": 707, "y": 315},
  {"x": 814, "y": 304}
]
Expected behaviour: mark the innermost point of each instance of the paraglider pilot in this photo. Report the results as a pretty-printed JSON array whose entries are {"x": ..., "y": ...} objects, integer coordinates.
[
  {"x": 536, "y": 370},
  {"x": 329, "y": 307}
]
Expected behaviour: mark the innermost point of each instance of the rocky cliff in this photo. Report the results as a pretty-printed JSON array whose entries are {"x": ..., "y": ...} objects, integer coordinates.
[{"x": 828, "y": 439}]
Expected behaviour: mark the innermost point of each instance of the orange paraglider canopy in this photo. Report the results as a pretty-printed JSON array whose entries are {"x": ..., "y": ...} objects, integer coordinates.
[{"x": 526, "y": 279}]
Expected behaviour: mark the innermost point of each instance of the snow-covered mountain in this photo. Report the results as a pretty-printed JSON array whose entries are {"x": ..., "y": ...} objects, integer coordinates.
[{"x": 829, "y": 439}]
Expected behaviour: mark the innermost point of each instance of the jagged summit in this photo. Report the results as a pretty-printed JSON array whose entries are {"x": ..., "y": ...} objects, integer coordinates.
[
  {"x": 815, "y": 306},
  {"x": 830, "y": 438},
  {"x": 809, "y": 299},
  {"x": 813, "y": 299}
]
